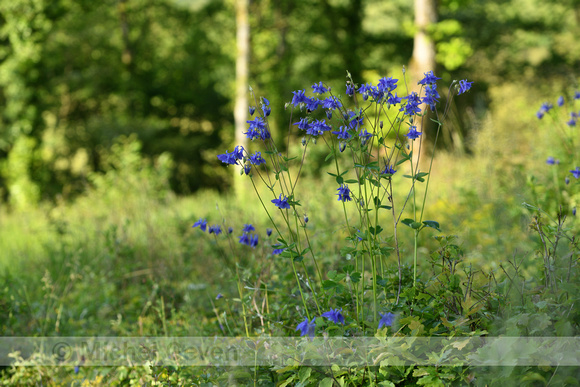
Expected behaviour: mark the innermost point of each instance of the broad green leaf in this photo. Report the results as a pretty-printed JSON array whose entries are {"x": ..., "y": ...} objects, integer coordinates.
[{"x": 432, "y": 224}]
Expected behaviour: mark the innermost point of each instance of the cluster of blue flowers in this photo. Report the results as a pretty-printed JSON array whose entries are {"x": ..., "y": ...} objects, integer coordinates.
[
  {"x": 308, "y": 328},
  {"x": 546, "y": 107},
  {"x": 248, "y": 237}
]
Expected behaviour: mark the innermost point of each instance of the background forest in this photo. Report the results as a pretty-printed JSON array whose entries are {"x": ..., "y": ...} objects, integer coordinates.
[{"x": 112, "y": 113}]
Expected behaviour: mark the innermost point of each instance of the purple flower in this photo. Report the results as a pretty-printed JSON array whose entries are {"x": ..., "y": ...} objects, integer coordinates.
[
  {"x": 266, "y": 107},
  {"x": 248, "y": 228},
  {"x": 318, "y": 127},
  {"x": 246, "y": 169},
  {"x": 306, "y": 328},
  {"x": 318, "y": 88},
  {"x": 252, "y": 110},
  {"x": 388, "y": 170},
  {"x": 202, "y": 223},
  {"x": 298, "y": 97},
  {"x": 257, "y": 129},
  {"x": 364, "y": 136},
  {"x": 281, "y": 203},
  {"x": 219, "y": 296},
  {"x": 249, "y": 240},
  {"x": 215, "y": 229},
  {"x": 430, "y": 78},
  {"x": 574, "y": 211},
  {"x": 349, "y": 89},
  {"x": 431, "y": 96},
  {"x": 576, "y": 172},
  {"x": 312, "y": 104},
  {"x": 577, "y": 95},
  {"x": 412, "y": 106},
  {"x": 560, "y": 101},
  {"x": 334, "y": 315},
  {"x": 386, "y": 320},
  {"x": 394, "y": 99},
  {"x": 277, "y": 250},
  {"x": 344, "y": 193},
  {"x": 305, "y": 219},
  {"x": 257, "y": 158},
  {"x": 331, "y": 103},
  {"x": 342, "y": 133},
  {"x": 550, "y": 161},
  {"x": 303, "y": 124},
  {"x": 413, "y": 134},
  {"x": 268, "y": 231},
  {"x": 228, "y": 158},
  {"x": 464, "y": 86},
  {"x": 365, "y": 90},
  {"x": 572, "y": 122},
  {"x": 386, "y": 85}
]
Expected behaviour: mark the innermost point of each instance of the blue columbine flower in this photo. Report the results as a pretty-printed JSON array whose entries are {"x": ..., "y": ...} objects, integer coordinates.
[
  {"x": 268, "y": 231},
  {"x": 257, "y": 158},
  {"x": 431, "y": 96},
  {"x": 365, "y": 90},
  {"x": 572, "y": 122},
  {"x": 386, "y": 85},
  {"x": 312, "y": 103},
  {"x": 334, "y": 315},
  {"x": 266, "y": 107},
  {"x": 202, "y": 223},
  {"x": 386, "y": 319},
  {"x": 303, "y": 124},
  {"x": 412, "y": 106},
  {"x": 342, "y": 133},
  {"x": 219, "y": 296},
  {"x": 277, "y": 249},
  {"x": 305, "y": 219},
  {"x": 394, "y": 99},
  {"x": 344, "y": 193},
  {"x": 349, "y": 89},
  {"x": 215, "y": 229},
  {"x": 230, "y": 230},
  {"x": 252, "y": 110},
  {"x": 318, "y": 127},
  {"x": 257, "y": 129},
  {"x": 281, "y": 203},
  {"x": 430, "y": 78},
  {"x": 228, "y": 158},
  {"x": 246, "y": 169},
  {"x": 388, "y": 170},
  {"x": 560, "y": 101},
  {"x": 413, "y": 134},
  {"x": 550, "y": 161},
  {"x": 319, "y": 88},
  {"x": 364, "y": 136},
  {"x": 249, "y": 240},
  {"x": 299, "y": 97},
  {"x": 331, "y": 103},
  {"x": 248, "y": 228},
  {"x": 464, "y": 86},
  {"x": 239, "y": 152},
  {"x": 306, "y": 328},
  {"x": 576, "y": 172}
]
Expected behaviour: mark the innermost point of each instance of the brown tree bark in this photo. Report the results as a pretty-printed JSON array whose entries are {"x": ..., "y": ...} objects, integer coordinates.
[{"x": 423, "y": 60}]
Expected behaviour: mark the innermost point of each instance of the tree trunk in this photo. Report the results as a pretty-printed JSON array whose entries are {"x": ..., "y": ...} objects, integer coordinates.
[
  {"x": 423, "y": 60},
  {"x": 242, "y": 72}
]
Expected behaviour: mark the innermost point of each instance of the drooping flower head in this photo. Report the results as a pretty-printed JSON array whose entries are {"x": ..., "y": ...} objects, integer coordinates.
[
  {"x": 342, "y": 133},
  {"x": 430, "y": 78},
  {"x": 248, "y": 228},
  {"x": 349, "y": 89},
  {"x": 386, "y": 85},
  {"x": 281, "y": 203},
  {"x": 312, "y": 103},
  {"x": 319, "y": 88},
  {"x": 431, "y": 96},
  {"x": 334, "y": 315},
  {"x": 413, "y": 134},
  {"x": 257, "y": 129},
  {"x": 266, "y": 107},
  {"x": 560, "y": 101},
  {"x": 412, "y": 106},
  {"x": 576, "y": 172},
  {"x": 299, "y": 97},
  {"x": 464, "y": 86},
  {"x": 306, "y": 328},
  {"x": 257, "y": 159},
  {"x": 386, "y": 319},
  {"x": 215, "y": 229},
  {"x": 550, "y": 161},
  {"x": 389, "y": 170},
  {"x": 344, "y": 193},
  {"x": 202, "y": 223}
]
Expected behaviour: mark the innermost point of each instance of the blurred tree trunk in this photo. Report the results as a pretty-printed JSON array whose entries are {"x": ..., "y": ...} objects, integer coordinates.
[
  {"x": 242, "y": 71},
  {"x": 423, "y": 60}
]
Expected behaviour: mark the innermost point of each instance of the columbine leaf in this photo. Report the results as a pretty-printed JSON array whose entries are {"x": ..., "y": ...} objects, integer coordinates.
[
  {"x": 432, "y": 224},
  {"x": 411, "y": 223}
]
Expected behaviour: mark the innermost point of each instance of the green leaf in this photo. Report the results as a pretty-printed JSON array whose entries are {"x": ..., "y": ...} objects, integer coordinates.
[
  {"x": 375, "y": 231},
  {"x": 299, "y": 258},
  {"x": 411, "y": 223},
  {"x": 331, "y": 174},
  {"x": 386, "y": 207},
  {"x": 288, "y": 159},
  {"x": 432, "y": 224},
  {"x": 304, "y": 373},
  {"x": 355, "y": 277},
  {"x": 347, "y": 250},
  {"x": 326, "y": 382},
  {"x": 329, "y": 284},
  {"x": 332, "y": 274},
  {"x": 351, "y": 181},
  {"x": 339, "y": 179}
]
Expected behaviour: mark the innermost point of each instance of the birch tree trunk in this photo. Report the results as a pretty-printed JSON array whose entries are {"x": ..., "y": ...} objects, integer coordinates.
[
  {"x": 242, "y": 72},
  {"x": 423, "y": 60}
]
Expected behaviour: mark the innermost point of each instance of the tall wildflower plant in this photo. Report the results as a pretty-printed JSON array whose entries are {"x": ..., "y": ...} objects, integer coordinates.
[
  {"x": 555, "y": 206},
  {"x": 373, "y": 130}
]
